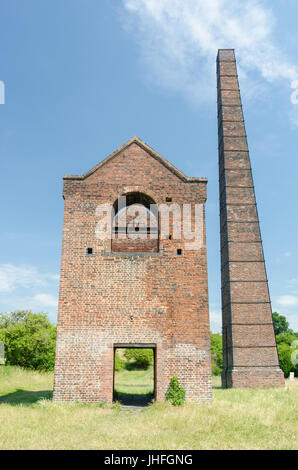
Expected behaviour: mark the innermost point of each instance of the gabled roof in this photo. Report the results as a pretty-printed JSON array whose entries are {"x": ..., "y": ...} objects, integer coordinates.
[{"x": 153, "y": 153}]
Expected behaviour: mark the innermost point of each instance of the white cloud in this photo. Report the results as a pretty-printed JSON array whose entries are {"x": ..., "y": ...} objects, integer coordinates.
[
  {"x": 215, "y": 321},
  {"x": 179, "y": 42},
  {"x": 13, "y": 277},
  {"x": 287, "y": 300},
  {"x": 45, "y": 300},
  {"x": 40, "y": 302},
  {"x": 20, "y": 288},
  {"x": 287, "y": 304}
]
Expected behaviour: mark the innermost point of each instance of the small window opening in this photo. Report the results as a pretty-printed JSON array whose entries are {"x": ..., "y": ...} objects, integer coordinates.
[
  {"x": 168, "y": 199},
  {"x": 179, "y": 252},
  {"x": 89, "y": 251}
]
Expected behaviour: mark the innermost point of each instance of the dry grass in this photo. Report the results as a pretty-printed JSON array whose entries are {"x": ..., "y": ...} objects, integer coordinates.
[{"x": 237, "y": 419}]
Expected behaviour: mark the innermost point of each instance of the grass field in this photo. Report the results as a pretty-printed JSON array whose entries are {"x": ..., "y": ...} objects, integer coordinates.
[
  {"x": 134, "y": 387},
  {"x": 237, "y": 419}
]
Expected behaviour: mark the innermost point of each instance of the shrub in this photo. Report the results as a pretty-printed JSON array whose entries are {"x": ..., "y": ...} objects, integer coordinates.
[
  {"x": 175, "y": 393},
  {"x": 29, "y": 339},
  {"x": 140, "y": 358}
]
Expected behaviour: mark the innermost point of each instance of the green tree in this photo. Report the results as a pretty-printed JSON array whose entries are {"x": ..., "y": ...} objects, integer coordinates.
[
  {"x": 284, "y": 355},
  {"x": 285, "y": 348},
  {"x": 216, "y": 353},
  {"x": 29, "y": 339},
  {"x": 285, "y": 338},
  {"x": 141, "y": 358},
  {"x": 280, "y": 324}
]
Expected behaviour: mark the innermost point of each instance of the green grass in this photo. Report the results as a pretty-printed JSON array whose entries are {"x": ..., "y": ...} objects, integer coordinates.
[
  {"x": 20, "y": 386},
  {"x": 134, "y": 387},
  {"x": 237, "y": 419}
]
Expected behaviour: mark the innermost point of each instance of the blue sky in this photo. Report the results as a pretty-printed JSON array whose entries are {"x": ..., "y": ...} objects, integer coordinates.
[{"x": 84, "y": 76}]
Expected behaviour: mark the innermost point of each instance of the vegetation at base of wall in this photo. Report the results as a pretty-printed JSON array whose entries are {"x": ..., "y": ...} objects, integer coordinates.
[
  {"x": 175, "y": 393},
  {"x": 29, "y": 339}
]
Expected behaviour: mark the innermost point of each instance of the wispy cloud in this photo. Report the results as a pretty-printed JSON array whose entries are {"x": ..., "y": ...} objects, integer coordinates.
[
  {"x": 288, "y": 300},
  {"x": 45, "y": 300},
  {"x": 40, "y": 302},
  {"x": 215, "y": 320},
  {"x": 27, "y": 288},
  {"x": 13, "y": 277},
  {"x": 179, "y": 41}
]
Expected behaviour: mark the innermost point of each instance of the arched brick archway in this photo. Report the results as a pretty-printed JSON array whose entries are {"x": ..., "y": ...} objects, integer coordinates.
[{"x": 135, "y": 224}]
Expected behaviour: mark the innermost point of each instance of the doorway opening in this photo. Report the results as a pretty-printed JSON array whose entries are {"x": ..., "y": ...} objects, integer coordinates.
[{"x": 134, "y": 374}]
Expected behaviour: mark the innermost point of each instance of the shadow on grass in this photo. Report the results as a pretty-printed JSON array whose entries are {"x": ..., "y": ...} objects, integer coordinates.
[
  {"x": 25, "y": 397},
  {"x": 129, "y": 399},
  {"x": 134, "y": 366}
]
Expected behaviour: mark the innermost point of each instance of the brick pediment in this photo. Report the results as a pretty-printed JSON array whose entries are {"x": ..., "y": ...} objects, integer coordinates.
[{"x": 135, "y": 151}]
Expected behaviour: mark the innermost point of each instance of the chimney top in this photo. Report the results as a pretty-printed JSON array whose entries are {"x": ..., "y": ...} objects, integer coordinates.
[{"x": 226, "y": 55}]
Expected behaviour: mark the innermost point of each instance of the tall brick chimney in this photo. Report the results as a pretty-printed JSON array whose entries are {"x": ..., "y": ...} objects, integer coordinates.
[{"x": 249, "y": 346}]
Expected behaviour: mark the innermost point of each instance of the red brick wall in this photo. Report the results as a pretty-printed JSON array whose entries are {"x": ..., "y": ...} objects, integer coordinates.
[
  {"x": 146, "y": 297},
  {"x": 138, "y": 245}
]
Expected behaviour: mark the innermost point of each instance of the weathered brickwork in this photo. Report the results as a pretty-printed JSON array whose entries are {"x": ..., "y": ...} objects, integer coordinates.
[
  {"x": 118, "y": 295},
  {"x": 250, "y": 354}
]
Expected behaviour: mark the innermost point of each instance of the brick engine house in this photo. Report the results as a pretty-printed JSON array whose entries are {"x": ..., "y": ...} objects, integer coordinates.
[
  {"x": 144, "y": 287},
  {"x": 121, "y": 291}
]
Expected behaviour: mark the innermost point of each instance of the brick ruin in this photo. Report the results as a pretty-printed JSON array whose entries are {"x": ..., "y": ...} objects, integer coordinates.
[
  {"x": 152, "y": 290},
  {"x": 123, "y": 291}
]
